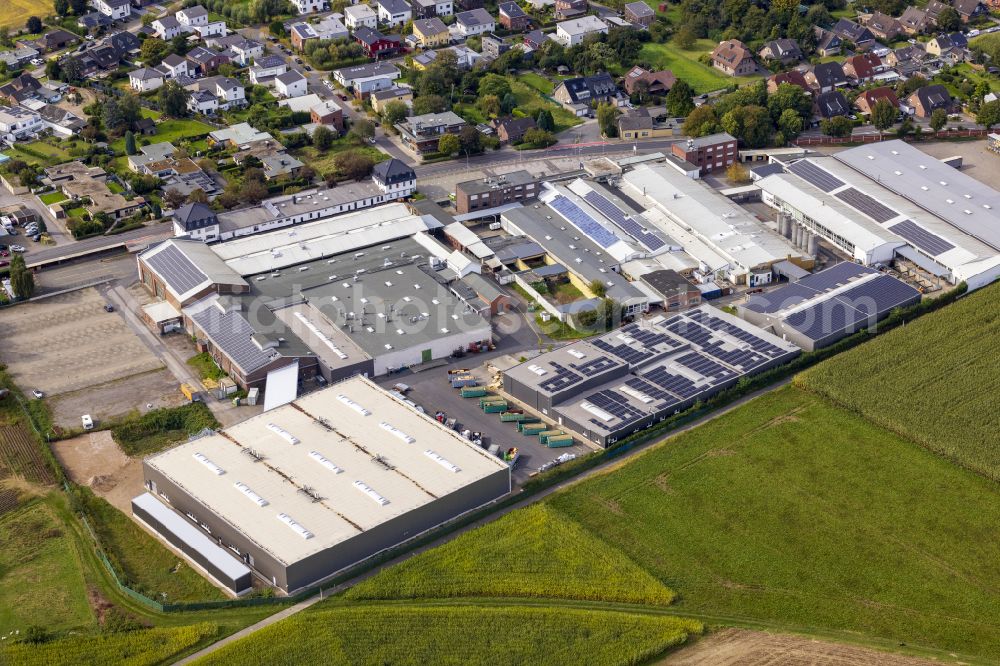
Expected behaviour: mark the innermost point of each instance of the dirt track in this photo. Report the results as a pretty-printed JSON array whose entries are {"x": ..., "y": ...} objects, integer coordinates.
[{"x": 731, "y": 647}]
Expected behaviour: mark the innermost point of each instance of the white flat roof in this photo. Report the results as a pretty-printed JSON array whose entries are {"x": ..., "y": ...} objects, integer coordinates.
[
  {"x": 336, "y": 458},
  {"x": 729, "y": 229}
]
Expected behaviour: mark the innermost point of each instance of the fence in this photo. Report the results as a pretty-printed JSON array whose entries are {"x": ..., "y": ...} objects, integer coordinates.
[{"x": 876, "y": 138}]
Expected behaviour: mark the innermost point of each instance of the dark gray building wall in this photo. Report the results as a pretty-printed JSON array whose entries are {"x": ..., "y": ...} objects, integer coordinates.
[{"x": 366, "y": 367}]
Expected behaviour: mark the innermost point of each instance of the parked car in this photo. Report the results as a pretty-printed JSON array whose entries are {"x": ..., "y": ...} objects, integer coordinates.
[
  {"x": 17, "y": 248},
  {"x": 4, "y": 262},
  {"x": 307, "y": 68},
  {"x": 36, "y": 61},
  {"x": 38, "y": 394},
  {"x": 108, "y": 307},
  {"x": 88, "y": 423},
  {"x": 37, "y": 238}
]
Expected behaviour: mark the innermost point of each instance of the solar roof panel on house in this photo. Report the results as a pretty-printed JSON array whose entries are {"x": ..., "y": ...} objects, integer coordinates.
[
  {"x": 814, "y": 175},
  {"x": 176, "y": 269},
  {"x": 233, "y": 334},
  {"x": 930, "y": 243},
  {"x": 584, "y": 222},
  {"x": 866, "y": 205},
  {"x": 626, "y": 222}
]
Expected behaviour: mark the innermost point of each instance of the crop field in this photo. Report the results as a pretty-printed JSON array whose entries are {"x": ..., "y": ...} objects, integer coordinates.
[
  {"x": 684, "y": 63},
  {"x": 461, "y": 635},
  {"x": 936, "y": 383},
  {"x": 795, "y": 513},
  {"x": 144, "y": 646},
  {"x": 20, "y": 455},
  {"x": 13, "y": 14},
  {"x": 40, "y": 578},
  {"x": 537, "y": 552}
]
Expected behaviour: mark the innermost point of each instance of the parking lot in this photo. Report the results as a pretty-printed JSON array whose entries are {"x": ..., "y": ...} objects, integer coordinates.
[
  {"x": 67, "y": 345},
  {"x": 431, "y": 390}
]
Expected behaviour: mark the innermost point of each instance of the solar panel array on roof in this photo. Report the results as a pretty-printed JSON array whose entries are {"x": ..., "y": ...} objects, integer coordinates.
[
  {"x": 233, "y": 334},
  {"x": 866, "y": 205},
  {"x": 563, "y": 378},
  {"x": 617, "y": 405},
  {"x": 814, "y": 175},
  {"x": 835, "y": 276},
  {"x": 626, "y": 222},
  {"x": 594, "y": 366},
  {"x": 930, "y": 243},
  {"x": 176, "y": 269},
  {"x": 584, "y": 222}
]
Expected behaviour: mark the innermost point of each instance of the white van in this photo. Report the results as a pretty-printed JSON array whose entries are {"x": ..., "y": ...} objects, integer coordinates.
[{"x": 88, "y": 423}]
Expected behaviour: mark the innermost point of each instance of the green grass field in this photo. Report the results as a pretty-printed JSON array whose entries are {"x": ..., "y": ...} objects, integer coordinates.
[
  {"x": 462, "y": 635},
  {"x": 14, "y": 14},
  {"x": 536, "y": 81},
  {"x": 530, "y": 102},
  {"x": 149, "y": 646},
  {"x": 40, "y": 578},
  {"x": 537, "y": 552},
  {"x": 323, "y": 163},
  {"x": 937, "y": 381},
  {"x": 39, "y": 152},
  {"x": 170, "y": 130},
  {"x": 685, "y": 65},
  {"x": 52, "y": 197}
]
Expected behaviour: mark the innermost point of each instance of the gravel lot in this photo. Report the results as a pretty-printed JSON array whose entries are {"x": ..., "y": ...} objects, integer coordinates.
[{"x": 95, "y": 460}]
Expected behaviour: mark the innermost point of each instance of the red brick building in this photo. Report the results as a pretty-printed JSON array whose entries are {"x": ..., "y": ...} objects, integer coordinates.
[{"x": 711, "y": 153}]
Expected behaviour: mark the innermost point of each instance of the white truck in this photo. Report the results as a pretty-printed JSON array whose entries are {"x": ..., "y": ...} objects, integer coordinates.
[{"x": 88, "y": 423}]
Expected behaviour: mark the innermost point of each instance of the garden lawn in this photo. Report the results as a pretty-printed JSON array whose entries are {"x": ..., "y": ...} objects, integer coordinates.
[
  {"x": 937, "y": 381},
  {"x": 322, "y": 163},
  {"x": 170, "y": 130},
  {"x": 547, "y": 554},
  {"x": 536, "y": 81},
  {"x": 530, "y": 102},
  {"x": 685, "y": 65},
  {"x": 459, "y": 636},
  {"x": 40, "y": 153},
  {"x": 40, "y": 578},
  {"x": 794, "y": 513},
  {"x": 52, "y": 197}
]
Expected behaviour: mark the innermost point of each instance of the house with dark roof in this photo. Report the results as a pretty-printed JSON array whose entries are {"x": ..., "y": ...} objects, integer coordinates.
[
  {"x": 827, "y": 43},
  {"x": 944, "y": 44},
  {"x": 830, "y": 104},
  {"x": 513, "y": 17},
  {"x": 883, "y": 26},
  {"x": 511, "y": 130},
  {"x": 394, "y": 177},
  {"x": 733, "y": 58},
  {"x": 393, "y": 12},
  {"x": 860, "y": 36},
  {"x": 970, "y": 9},
  {"x": 933, "y": 8},
  {"x": 55, "y": 40},
  {"x": 914, "y": 20},
  {"x": 196, "y": 220},
  {"x": 867, "y": 100},
  {"x": 639, "y": 13},
  {"x": 863, "y": 68},
  {"x": 826, "y": 76},
  {"x": 535, "y": 39},
  {"x": 20, "y": 88},
  {"x": 929, "y": 98},
  {"x": 657, "y": 83},
  {"x": 785, "y": 51},
  {"x": 792, "y": 77},
  {"x": 375, "y": 44},
  {"x": 581, "y": 93}
]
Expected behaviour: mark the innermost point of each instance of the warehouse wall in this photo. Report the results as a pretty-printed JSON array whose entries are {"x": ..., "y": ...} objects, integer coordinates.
[{"x": 441, "y": 347}]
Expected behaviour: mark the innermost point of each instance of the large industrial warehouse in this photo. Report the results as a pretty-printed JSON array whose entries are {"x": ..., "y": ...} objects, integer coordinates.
[
  {"x": 824, "y": 307},
  {"x": 608, "y": 387},
  {"x": 307, "y": 489}
]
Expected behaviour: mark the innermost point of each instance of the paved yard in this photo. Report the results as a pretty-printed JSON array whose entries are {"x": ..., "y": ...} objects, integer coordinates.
[{"x": 69, "y": 343}]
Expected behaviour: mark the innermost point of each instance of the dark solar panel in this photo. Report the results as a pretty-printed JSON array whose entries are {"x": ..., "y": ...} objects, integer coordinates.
[
  {"x": 879, "y": 296},
  {"x": 835, "y": 276},
  {"x": 231, "y": 333},
  {"x": 562, "y": 379},
  {"x": 617, "y": 405},
  {"x": 626, "y": 222},
  {"x": 677, "y": 384},
  {"x": 584, "y": 222},
  {"x": 814, "y": 175},
  {"x": 825, "y": 318},
  {"x": 706, "y": 367},
  {"x": 594, "y": 366},
  {"x": 779, "y": 299},
  {"x": 176, "y": 269},
  {"x": 866, "y": 205},
  {"x": 623, "y": 351},
  {"x": 930, "y": 243}
]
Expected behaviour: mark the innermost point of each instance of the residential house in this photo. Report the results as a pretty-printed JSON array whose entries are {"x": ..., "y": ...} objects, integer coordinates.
[
  {"x": 639, "y": 124},
  {"x": 429, "y": 8},
  {"x": 125, "y": 43},
  {"x": 513, "y": 17},
  {"x": 862, "y": 38},
  {"x": 310, "y": 6},
  {"x": 300, "y": 33},
  {"x": 228, "y": 91},
  {"x": 474, "y": 22},
  {"x": 393, "y": 12},
  {"x": 826, "y": 76},
  {"x": 205, "y": 60},
  {"x": 291, "y": 84},
  {"x": 366, "y": 79},
  {"x": 581, "y": 93},
  {"x": 234, "y": 136},
  {"x": 196, "y": 220},
  {"x": 192, "y": 17},
  {"x": 266, "y": 68},
  {"x": 639, "y": 13},
  {"x": 511, "y": 130},
  {"x": 573, "y": 32},
  {"x": 166, "y": 28},
  {"x": 535, "y": 39},
  {"x": 114, "y": 10},
  {"x": 934, "y": 9},
  {"x": 884, "y": 26},
  {"x": 145, "y": 79},
  {"x": 943, "y": 44},
  {"x": 492, "y": 192},
  {"x": 61, "y": 121},
  {"x": 56, "y": 40},
  {"x": 709, "y": 153},
  {"x": 174, "y": 66},
  {"x": 914, "y": 20},
  {"x": 567, "y": 9},
  {"x": 375, "y": 44},
  {"x": 970, "y": 10},
  {"x": 360, "y": 16},
  {"x": 867, "y": 100},
  {"x": 863, "y": 68},
  {"x": 19, "y": 57},
  {"x": 420, "y": 134},
  {"x": 733, "y": 58},
  {"x": 494, "y": 46},
  {"x": 785, "y": 51},
  {"x": 827, "y": 43},
  {"x": 326, "y": 112},
  {"x": 431, "y": 32},
  {"x": 240, "y": 49},
  {"x": 907, "y": 60},
  {"x": 833, "y": 103},
  {"x": 395, "y": 178},
  {"x": 792, "y": 77},
  {"x": 327, "y": 28},
  {"x": 382, "y": 97},
  {"x": 97, "y": 60},
  {"x": 204, "y": 102},
  {"x": 88, "y": 185},
  {"x": 929, "y": 98},
  {"x": 18, "y": 123},
  {"x": 22, "y": 87},
  {"x": 657, "y": 83}
]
